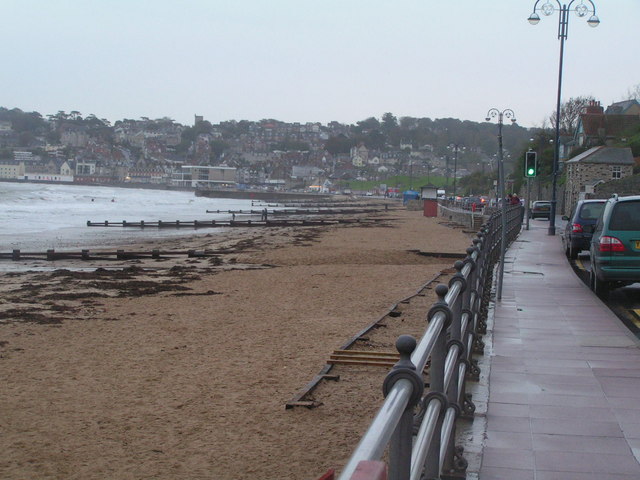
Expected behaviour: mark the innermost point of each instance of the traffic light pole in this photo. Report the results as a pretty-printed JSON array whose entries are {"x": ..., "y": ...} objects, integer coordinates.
[{"x": 527, "y": 202}]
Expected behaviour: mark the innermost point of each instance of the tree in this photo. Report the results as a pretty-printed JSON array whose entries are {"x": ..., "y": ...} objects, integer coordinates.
[
  {"x": 370, "y": 123},
  {"x": 476, "y": 183},
  {"x": 570, "y": 113},
  {"x": 633, "y": 93},
  {"x": 389, "y": 122},
  {"x": 338, "y": 144}
]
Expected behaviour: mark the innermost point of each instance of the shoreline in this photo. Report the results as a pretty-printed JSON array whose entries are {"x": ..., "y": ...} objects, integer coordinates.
[
  {"x": 239, "y": 194},
  {"x": 182, "y": 369}
]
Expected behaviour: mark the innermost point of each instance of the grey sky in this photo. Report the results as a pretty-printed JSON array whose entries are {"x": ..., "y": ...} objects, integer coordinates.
[{"x": 342, "y": 60}]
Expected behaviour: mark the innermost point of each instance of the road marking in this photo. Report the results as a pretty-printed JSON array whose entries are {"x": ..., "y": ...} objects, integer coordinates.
[
  {"x": 579, "y": 264},
  {"x": 635, "y": 317}
]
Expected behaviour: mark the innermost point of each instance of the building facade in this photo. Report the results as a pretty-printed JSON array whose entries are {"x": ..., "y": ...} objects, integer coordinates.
[{"x": 596, "y": 165}]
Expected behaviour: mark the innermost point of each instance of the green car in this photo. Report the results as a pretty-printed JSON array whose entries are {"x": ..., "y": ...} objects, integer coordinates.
[{"x": 615, "y": 246}]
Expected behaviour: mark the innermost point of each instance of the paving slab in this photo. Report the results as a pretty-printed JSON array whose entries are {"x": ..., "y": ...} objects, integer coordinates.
[{"x": 563, "y": 381}]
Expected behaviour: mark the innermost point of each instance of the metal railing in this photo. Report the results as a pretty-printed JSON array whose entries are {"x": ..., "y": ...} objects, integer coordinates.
[{"x": 417, "y": 427}]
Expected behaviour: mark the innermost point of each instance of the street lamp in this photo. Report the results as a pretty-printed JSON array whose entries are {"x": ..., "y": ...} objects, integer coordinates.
[
  {"x": 582, "y": 9},
  {"x": 491, "y": 114},
  {"x": 456, "y": 147}
]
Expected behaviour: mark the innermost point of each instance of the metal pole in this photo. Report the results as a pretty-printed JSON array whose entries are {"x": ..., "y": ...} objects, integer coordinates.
[
  {"x": 455, "y": 169},
  {"x": 562, "y": 33},
  {"x": 528, "y": 201},
  {"x": 400, "y": 447},
  {"x": 503, "y": 232}
]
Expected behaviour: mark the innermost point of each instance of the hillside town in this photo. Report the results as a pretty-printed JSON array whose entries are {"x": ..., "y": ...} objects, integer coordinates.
[
  {"x": 266, "y": 154},
  {"x": 597, "y": 146}
]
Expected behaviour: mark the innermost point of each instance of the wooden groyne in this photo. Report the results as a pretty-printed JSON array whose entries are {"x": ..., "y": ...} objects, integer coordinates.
[
  {"x": 261, "y": 195},
  {"x": 326, "y": 204},
  {"x": 301, "y": 211},
  {"x": 229, "y": 223},
  {"x": 51, "y": 254}
]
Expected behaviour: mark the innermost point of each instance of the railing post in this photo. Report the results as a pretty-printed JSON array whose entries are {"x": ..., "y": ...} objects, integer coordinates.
[
  {"x": 436, "y": 374},
  {"x": 402, "y": 437}
]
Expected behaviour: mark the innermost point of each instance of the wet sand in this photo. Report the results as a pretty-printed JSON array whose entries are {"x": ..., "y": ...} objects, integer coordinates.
[{"x": 181, "y": 368}]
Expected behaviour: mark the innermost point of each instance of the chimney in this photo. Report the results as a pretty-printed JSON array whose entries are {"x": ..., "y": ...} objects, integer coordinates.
[{"x": 594, "y": 108}]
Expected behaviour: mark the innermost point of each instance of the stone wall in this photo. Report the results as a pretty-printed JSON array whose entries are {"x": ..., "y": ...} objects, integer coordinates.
[
  {"x": 580, "y": 174},
  {"x": 466, "y": 218}
]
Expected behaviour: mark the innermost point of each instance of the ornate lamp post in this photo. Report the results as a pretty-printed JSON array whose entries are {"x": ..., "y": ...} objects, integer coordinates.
[
  {"x": 491, "y": 114},
  {"x": 455, "y": 148},
  {"x": 582, "y": 9}
]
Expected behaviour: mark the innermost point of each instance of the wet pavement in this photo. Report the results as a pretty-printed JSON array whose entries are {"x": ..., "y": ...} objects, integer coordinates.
[{"x": 559, "y": 396}]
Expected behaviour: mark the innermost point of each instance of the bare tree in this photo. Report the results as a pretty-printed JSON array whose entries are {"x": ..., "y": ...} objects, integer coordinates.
[
  {"x": 633, "y": 93},
  {"x": 570, "y": 113}
]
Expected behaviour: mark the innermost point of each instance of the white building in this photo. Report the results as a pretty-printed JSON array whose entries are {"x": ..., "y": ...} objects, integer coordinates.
[{"x": 204, "y": 176}]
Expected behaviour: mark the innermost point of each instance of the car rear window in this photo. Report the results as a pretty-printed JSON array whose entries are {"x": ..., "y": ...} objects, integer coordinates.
[
  {"x": 591, "y": 211},
  {"x": 626, "y": 216}
]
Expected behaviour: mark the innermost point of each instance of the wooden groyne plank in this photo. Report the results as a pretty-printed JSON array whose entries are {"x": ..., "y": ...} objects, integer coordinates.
[
  {"x": 229, "y": 223},
  {"x": 299, "y": 211},
  {"x": 51, "y": 254}
]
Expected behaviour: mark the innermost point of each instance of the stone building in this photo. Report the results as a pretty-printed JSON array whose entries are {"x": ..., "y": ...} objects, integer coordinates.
[{"x": 596, "y": 165}]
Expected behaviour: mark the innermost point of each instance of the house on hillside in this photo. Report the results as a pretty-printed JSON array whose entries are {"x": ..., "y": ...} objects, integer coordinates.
[
  {"x": 626, "y": 107},
  {"x": 597, "y": 127},
  {"x": 359, "y": 155},
  {"x": 596, "y": 165}
]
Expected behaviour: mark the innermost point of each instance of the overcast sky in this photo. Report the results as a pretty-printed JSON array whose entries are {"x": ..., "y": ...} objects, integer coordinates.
[{"x": 303, "y": 61}]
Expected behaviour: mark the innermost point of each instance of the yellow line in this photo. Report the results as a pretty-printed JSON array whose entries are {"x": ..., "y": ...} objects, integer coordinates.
[
  {"x": 635, "y": 319},
  {"x": 579, "y": 264}
]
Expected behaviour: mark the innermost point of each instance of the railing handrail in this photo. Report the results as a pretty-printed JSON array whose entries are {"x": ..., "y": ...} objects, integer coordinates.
[{"x": 459, "y": 306}]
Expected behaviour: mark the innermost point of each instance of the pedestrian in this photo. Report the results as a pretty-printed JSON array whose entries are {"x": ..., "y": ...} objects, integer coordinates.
[{"x": 515, "y": 200}]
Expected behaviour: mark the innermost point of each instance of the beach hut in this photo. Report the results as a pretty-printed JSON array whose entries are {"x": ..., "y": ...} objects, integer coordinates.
[{"x": 429, "y": 196}]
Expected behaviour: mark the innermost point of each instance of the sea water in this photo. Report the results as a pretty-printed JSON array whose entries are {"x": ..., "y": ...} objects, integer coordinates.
[{"x": 37, "y": 217}]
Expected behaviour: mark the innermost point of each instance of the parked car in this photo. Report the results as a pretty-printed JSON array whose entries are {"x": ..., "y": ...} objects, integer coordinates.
[
  {"x": 580, "y": 225},
  {"x": 615, "y": 246},
  {"x": 540, "y": 209}
]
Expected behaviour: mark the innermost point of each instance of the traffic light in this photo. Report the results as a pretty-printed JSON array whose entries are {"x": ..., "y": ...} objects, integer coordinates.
[{"x": 530, "y": 164}]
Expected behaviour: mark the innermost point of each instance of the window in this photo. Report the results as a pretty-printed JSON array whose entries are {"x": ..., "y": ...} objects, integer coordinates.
[
  {"x": 616, "y": 172},
  {"x": 626, "y": 216}
]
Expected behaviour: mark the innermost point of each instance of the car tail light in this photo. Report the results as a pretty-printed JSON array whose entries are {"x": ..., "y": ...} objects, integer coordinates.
[
  {"x": 576, "y": 228},
  {"x": 611, "y": 244}
]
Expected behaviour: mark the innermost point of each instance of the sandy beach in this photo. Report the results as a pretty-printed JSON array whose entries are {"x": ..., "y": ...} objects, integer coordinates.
[{"x": 181, "y": 368}]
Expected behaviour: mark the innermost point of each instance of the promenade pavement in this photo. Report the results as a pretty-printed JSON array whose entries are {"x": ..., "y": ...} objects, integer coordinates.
[{"x": 564, "y": 378}]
